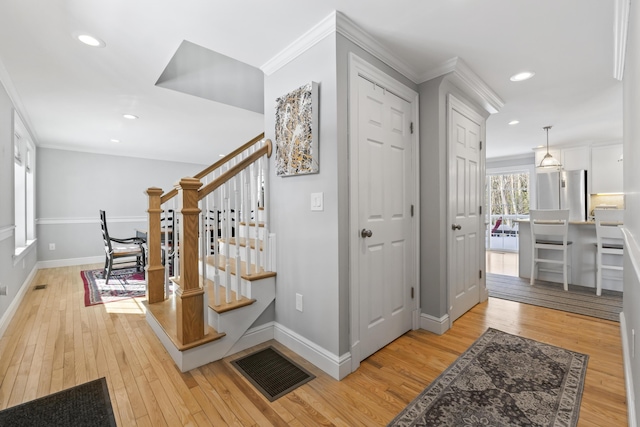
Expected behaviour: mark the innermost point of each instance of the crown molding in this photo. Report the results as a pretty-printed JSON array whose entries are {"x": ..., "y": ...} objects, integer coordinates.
[
  {"x": 321, "y": 30},
  {"x": 620, "y": 29},
  {"x": 7, "y": 82},
  {"x": 350, "y": 30},
  {"x": 340, "y": 23},
  {"x": 463, "y": 73}
]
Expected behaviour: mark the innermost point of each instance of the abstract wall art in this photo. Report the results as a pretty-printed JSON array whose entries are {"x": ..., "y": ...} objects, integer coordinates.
[{"x": 297, "y": 132}]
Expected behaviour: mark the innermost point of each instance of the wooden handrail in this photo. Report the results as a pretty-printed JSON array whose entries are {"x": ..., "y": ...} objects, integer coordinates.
[
  {"x": 173, "y": 192},
  {"x": 236, "y": 169}
]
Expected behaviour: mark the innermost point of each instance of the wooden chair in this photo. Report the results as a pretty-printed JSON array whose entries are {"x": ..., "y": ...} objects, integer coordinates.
[
  {"x": 120, "y": 251},
  {"x": 549, "y": 231},
  {"x": 608, "y": 241}
]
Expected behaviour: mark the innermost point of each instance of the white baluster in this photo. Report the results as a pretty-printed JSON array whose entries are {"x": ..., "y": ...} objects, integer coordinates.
[
  {"x": 256, "y": 199},
  {"x": 247, "y": 217},
  {"x": 226, "y": 216},
  {"x": 203, "y": 261},
  {"x": 267, "y": 240},
  {"x": 216, "y": 247}
]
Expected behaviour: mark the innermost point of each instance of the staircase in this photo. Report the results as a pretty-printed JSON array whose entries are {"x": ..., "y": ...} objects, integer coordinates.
[{"x": 222, "y": 272}]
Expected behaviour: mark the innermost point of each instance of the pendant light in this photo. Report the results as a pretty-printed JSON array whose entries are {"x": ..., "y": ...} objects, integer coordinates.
[{"x": 548, "y": 160}]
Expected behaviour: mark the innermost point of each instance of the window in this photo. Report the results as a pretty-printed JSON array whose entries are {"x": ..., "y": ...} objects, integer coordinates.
[
  {"x": 24, "y": 187},
  {"x": 508, "y": 200}
]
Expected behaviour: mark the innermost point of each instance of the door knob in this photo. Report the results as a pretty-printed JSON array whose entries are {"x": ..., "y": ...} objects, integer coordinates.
[
  {"x": 366, "y": 233},
  {"x": 456, "y": 227}
]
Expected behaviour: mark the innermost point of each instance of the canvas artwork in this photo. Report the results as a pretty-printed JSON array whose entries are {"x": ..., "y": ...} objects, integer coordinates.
[{"x": 297, "y": 132}]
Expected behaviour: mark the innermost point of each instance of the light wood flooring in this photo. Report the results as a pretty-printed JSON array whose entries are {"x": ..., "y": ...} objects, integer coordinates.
[{"x": 54, "y": 342}]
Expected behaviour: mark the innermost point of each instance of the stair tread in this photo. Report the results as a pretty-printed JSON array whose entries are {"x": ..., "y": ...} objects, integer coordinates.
[
  {"x": 255, "y": 275},
  {"x": 242, "y": 241},
  {"x": 165, "y": 314},
  {"x": 224, "y": 306},
  {"x": 253, "y": 224}
]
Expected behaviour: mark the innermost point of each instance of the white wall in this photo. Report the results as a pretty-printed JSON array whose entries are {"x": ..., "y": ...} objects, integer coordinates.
[
  {"x": 73, "y": 186},
  {"x": 631, "y": 141}
]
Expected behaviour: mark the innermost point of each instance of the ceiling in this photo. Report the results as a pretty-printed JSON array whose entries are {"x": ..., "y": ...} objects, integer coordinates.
[{"x": 73, "y": 96}]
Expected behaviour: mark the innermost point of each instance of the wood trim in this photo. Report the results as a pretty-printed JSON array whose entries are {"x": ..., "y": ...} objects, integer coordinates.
[
  {"x": 234, "y": 170},
  {"x": 174, "y": 192},
  {"x": 154, "y": 267}
]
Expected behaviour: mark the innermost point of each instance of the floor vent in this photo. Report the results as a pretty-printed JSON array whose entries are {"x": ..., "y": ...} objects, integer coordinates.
[
  {"x": 272, "y": 373},
  {"x": 38, "y": 287}
]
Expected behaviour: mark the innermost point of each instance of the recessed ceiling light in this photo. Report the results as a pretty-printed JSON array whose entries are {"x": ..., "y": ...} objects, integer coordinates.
[
  {"x": 525, "y": 75},
  {"x": 514, "y": 122},
  {"x": 129, "y": 116},
  {"x": 90, "y": 40},
  {"x": 115, "y": 140}
]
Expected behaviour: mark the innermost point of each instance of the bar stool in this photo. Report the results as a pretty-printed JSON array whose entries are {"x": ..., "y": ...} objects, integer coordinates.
[
  {"x": 549, "y": 230},
  {"x": 608, "y": 240}
]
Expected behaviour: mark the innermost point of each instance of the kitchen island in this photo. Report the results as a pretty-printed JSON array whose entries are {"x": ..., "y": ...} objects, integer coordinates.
[{"x": 582, "y": 255}]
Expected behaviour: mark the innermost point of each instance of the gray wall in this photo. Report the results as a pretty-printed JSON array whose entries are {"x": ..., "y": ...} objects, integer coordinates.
[
  {"x": 73, "y": 186},
  {"x": 307, "y": 242},
  {"x": 433, "y": 191},
  {"x": 631, "y": 132},
  {"x": 13, "y": 277}
]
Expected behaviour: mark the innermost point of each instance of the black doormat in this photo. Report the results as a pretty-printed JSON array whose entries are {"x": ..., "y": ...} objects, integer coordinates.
[
  {"x": 85, "y": 405},
  {"x": 272, "y": 373}
]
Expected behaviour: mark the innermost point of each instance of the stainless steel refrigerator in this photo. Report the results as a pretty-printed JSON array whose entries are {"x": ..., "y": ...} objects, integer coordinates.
[{"x": 564, "y": 190}]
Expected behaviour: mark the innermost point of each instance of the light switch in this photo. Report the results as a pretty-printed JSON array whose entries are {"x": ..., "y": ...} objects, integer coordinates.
[{"x": 317, "y": 203}]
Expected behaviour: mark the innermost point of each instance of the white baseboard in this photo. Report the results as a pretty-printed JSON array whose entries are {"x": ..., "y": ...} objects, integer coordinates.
[
  {"x": 253, "y": 337},
  {"x": 433, "y": 324},
  {"x": 70, "y": 261},
  {"x": 336, "y": 366},
  {"x": 13, "y": 307},
  {"x": 628, "y": 374}
]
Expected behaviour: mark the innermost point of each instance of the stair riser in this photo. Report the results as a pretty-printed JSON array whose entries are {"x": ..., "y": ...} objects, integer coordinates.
[
  {"x": 232, "y": 250},
  {"x": 263, "y": 292},
  {"x": 252, "y": 232}
]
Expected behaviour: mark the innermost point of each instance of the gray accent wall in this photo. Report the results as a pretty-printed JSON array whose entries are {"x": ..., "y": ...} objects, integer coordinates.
[
  {"x": 73, "y": 186},
  {"x": 631, "y": 147},
  {"x": 12, "y": 276}
]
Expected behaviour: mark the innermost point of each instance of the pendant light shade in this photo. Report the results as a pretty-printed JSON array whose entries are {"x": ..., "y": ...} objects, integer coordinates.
[{"x": 548, "y": 160}]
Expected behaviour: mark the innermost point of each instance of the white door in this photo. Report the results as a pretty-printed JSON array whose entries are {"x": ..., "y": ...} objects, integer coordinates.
[
  {"x": 465, "y": 201},
  {"x": 384, "y": 191}
]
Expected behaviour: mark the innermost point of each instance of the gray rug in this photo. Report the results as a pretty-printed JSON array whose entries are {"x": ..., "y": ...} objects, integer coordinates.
[
  {"x": 578, "y": 299},
  {"x": 503, "y": 380}
]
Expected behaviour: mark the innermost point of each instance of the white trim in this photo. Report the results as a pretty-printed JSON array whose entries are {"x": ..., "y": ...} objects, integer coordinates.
[
  {"x": 620, "y": 30},
  {"x": 91, "y": 220},
  {"x": 23, "y": 251},
  {"x": 70, "y": 262},
  {"x": 433, "y": 324},
  {"x": 489, "y": 100},
  {"x": 357, "y": 35},
  {"x": 253, "y": 337},
  {"x": 633, "y": 250},
  {"x": 318, "y": 32},
  {"x": 336, "y": 366},
  {"x": 6, "y": 232},
  {"x": 15, "y": 303},
  {"x": 7, "y": 82},
  {"x": 338, "y": 22},
  {"x": 628, "y": 372}
]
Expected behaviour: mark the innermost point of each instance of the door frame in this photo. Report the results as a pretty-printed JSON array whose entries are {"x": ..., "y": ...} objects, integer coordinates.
[
  {"x": 453, "y": 103},
  {"x": 358, "y": 67}
]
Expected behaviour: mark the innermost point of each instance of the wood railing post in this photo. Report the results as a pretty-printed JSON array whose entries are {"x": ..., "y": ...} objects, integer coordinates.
[
  {"x": 189, "y": 301},
  {"x": 155, "y": 270}
]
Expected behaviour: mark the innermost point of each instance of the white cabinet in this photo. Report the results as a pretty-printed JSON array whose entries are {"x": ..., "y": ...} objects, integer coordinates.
[
  {"x": 576, "y": 158},
  {"x": 606, "y": 169}
]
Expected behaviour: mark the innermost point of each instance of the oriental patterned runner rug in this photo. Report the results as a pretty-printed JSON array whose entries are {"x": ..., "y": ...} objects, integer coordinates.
[
  {"x": 503, "y": 380},
  {"x": 123, "y": 284}
]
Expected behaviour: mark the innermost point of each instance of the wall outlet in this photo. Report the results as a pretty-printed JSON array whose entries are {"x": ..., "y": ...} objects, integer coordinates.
[
  {"x": 299, "y": 302},
  {"x": 52, "y": 246}
]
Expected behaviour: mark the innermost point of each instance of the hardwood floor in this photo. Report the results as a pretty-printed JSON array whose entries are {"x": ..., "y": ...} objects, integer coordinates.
[{"x": 54, "y": 342}]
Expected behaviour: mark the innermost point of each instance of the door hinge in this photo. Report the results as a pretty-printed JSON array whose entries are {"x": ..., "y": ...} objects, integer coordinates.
[
  {"x": 411, "y": 210},
  {"x": 480, "y": 274},
  {"x": 411, "y": 127},
  {"x": 412, "y": 293},
  {"x": 480, "y": 145},
  {"x": 480, "y": 210}
]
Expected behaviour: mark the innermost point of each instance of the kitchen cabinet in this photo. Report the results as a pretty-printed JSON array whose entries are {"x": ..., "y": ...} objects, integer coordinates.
[
  {"x": 576, "y": 158},
  {"x": 606, "y": 169}
]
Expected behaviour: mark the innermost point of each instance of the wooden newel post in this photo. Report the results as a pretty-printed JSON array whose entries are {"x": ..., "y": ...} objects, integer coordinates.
[
  {"x": 155, "y": 270},
  {"x": 189, "y": 301}
]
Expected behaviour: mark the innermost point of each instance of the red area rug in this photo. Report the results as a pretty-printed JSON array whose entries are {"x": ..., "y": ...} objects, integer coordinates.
[{"x": 124, "y": 284}]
